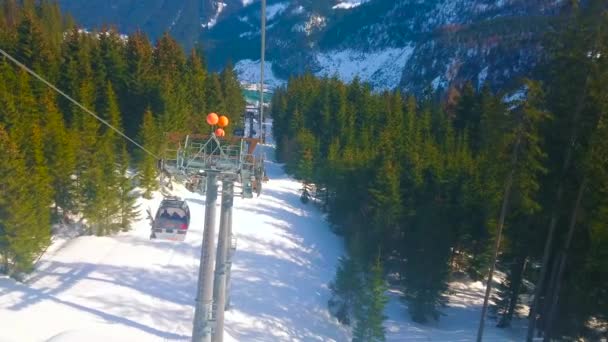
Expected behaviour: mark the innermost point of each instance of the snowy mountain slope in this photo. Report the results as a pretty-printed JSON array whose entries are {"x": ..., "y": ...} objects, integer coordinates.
[{"x": 451, "y": 41}]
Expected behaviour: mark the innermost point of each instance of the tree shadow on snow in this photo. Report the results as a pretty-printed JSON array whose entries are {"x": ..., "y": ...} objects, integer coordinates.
[{"x": 175, "y": 285}]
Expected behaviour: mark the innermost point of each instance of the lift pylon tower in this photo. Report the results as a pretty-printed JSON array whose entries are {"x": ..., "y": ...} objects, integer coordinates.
[
  {"x": 187, "y": 157},
  {"x": 201, "y": 161}
]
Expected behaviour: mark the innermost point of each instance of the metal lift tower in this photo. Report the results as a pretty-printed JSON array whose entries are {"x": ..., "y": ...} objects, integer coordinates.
[{"x": 202, "y": 161}]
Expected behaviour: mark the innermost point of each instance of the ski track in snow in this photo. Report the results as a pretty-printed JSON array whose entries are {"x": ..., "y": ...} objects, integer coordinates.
[{"x": 129, "y": 288}]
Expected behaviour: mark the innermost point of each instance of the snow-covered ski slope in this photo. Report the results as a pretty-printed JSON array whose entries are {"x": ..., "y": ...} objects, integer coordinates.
[{"x": 128, "y": 288}]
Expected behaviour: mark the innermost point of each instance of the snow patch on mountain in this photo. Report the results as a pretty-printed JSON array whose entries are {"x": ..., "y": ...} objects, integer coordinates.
[
  {"x": 481, "y": 78},
  {"x": 248, "y": 71},
  {"x": 275, "y": 9},
  {"x": 439, "y": 83},
  {"x": 348, "y": 4},
  {"x": 177, "y": 17},
  {"x": 446, "y": 12},
  {"x": 314, "y": 22},
  {"x": 213, "y": 20},
  {"x": 298, "y": 10},
  {"x": 380, "y": 68}
]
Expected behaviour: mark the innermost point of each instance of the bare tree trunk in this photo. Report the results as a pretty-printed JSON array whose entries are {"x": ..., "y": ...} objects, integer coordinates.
[
  {"x": 453, "y": 256},
  {"x": 563, "y": 259},
  {"x": 501, "y": 222},
  {"x": 517, "y": 272},
  {"x": 554, "y": 215},
  {"x": 544, "y": 304}
]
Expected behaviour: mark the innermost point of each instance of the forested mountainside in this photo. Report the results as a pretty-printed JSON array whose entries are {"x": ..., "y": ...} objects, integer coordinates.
[{"x": 409, "y": 44}]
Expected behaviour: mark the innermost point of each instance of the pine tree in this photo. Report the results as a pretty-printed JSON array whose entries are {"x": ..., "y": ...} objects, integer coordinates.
[
  {"x": 526, "y": 154},
  {"x": 26, "y": 112},
  {"x": 32, "y": 48},
  {"x": 369, "y": 314},
  {"x": 41, "y": 179},
  {"x": 102, "y": 205},
  {"x": 86, "y": 129},
  {"x": 197, "y": 84},
  {"x": 21, "y": 235},
  {"x": 128, "y": 207},
  {"x": 139, "y": 83},
  {"x": 345, "y": 289},
  {"x": 147, "y": 163},
  {"x": 304, "y": 163},
  {"x": 215, "y": 97},
  {"x": 118, "y": 178},
  {"x": 8, "y": 108},
  {"x": 60, "y": 154},
  {"x": 385, "y": 204},
  {"x": 234, "y": 100}
]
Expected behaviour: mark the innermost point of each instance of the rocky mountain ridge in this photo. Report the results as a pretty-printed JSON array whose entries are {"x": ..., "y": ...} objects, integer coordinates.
[{"x": 410, "y": 44}]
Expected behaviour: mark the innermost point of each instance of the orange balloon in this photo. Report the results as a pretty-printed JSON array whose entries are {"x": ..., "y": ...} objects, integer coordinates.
[
  {"x": 220, "y": 132},
  {"x": 223, "y": 121},
  {"x": 212, "y": 119}
]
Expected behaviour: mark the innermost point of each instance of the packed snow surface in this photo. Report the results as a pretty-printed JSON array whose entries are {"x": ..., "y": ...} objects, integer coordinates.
[
  {"x": 129, "y": 288},
  {"x": 459, "y": 322}
]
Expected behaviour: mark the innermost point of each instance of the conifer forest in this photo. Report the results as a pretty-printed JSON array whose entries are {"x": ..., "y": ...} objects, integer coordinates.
[
  {"x": 420, "y": 184},
  {"x": 58, "y": 163},
  {"x": 422, "y": 188}
]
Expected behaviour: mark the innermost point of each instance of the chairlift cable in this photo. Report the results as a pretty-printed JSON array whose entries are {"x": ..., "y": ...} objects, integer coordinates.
[{"x": 50, "y": 85}]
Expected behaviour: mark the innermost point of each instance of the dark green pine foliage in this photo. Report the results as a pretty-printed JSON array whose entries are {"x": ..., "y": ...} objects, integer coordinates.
[
  {"x": 139, "y": 83},
  {"x": 233, "y": 97},
  {"x": 22, "y": 237},
  {"x": 171, "y": 102},
  {"x": 127, "y": 200},
  {"x": 345, "y": 289},
  {"x": 122, "y": 198},
  {"x": 28, "y": 134},
  {"x": 385, "y": 205},
  {"x": 197, "y": 84},
  {"x": 41, "y": 178},
  {"x": 215, "y": 97},
  {"x": 307, "y": 150},
  {"x": 59, "y": 146},
  {"x": 33, "y": 49},
  {"x": 127, "y": 209},
  {"x": 369, "y": 312},
  {"x": 147, "y": 163}
]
